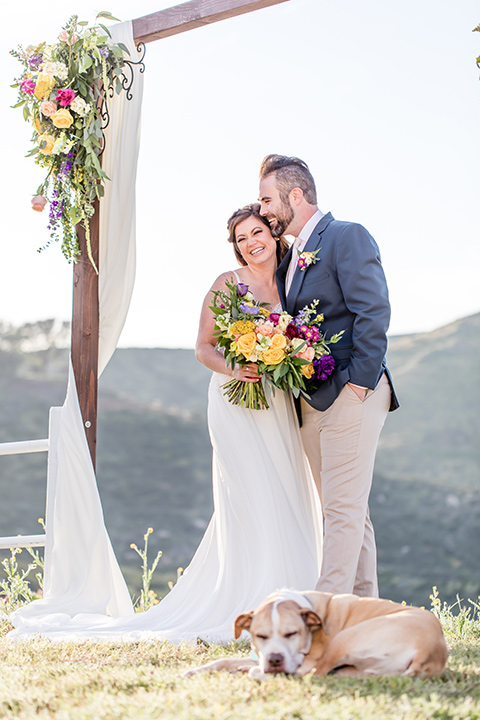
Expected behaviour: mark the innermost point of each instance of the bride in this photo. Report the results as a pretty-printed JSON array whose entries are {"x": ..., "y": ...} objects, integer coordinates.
[{"x": 265, "y": 532}]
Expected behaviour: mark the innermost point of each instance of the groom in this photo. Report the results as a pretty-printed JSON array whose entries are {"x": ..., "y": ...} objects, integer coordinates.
[{"x": 341, "y": 421}]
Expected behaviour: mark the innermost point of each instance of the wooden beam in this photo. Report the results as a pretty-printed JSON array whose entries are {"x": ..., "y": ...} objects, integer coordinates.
[
  {"x": 190, "y": 15},
  {"x": 85, "y": 326}
]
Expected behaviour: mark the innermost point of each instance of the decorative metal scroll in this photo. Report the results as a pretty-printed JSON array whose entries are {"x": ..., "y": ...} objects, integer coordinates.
[{"x": 126, "y": 79}]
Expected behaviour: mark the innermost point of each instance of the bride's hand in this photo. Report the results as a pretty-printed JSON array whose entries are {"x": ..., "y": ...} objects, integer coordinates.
[{"x": 246, "y": 373}]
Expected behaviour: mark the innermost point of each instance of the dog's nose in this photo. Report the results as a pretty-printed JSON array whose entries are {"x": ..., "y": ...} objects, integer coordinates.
[{"x": 275, "y": 661}]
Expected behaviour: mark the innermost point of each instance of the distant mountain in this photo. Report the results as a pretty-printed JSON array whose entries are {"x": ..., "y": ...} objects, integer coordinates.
[
  {"x": 435, "y": 434},
  {"x": 154, "y": 455}
]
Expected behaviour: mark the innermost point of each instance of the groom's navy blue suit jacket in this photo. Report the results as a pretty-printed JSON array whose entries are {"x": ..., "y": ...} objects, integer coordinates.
[{"x": 349, "y": 282}]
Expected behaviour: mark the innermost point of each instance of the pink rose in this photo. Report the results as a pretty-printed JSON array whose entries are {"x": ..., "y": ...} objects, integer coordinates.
[
  {"x": 307, "y": 354},
  {"x": 38, "y": 203},
  {"x": 27, "y": 86},
  {"x": 48, "y": 108},
  {"x": 65, "y": 97},
  {"x": 64, "y": 37},
  {"x": 266, "y": 330}
]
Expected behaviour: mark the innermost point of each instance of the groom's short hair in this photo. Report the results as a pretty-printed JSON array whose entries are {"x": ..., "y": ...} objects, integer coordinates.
[{"x": 290, "y": 172}]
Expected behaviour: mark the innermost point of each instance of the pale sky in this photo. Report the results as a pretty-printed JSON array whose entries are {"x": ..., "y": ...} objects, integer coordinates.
[{"x": 380, "y": 98}]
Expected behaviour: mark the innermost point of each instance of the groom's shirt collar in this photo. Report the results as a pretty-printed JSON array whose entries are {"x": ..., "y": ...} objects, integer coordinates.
[{"x": 307, "y": 230}]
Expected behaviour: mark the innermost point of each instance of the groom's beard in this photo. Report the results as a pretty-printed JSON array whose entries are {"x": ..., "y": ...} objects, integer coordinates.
[{"x": 281, "y": 220}]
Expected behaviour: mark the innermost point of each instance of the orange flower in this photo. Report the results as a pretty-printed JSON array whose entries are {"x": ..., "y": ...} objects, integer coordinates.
[
  {"x": 62, "y": 118},
  {"x": 46, "y": 143},
  {"x": 246, "y": 344},
  {"x": 38, "y": 203},
  {"x": 278, "y": 342},
  {"x": 308, "y": 370},
  {"x": 273, "y": 356}
]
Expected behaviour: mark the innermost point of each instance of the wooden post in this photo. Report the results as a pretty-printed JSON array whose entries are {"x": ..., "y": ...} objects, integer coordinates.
[{"x": 85, "y": 326}]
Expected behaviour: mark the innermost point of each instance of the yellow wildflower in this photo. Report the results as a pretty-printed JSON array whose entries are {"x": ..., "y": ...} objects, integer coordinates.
[{"x": 242, "y": 327}]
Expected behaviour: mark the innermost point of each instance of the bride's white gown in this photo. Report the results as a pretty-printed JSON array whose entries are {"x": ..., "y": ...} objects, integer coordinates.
[{"x": 265, "y": 533}]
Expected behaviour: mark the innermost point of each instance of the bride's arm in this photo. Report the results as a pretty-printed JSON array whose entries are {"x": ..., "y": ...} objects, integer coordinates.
[{"x": 205, "y": 346}]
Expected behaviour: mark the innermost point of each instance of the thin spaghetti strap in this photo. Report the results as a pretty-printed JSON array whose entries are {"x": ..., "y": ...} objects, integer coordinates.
[{"x": 236, "y": 276}]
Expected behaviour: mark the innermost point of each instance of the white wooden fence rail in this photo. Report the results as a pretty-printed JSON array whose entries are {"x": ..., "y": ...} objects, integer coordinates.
[{"x": 33, "y": 446}]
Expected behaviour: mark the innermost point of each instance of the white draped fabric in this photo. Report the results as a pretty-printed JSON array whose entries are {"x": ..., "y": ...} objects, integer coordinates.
[
  {"x": 81, "y": 571},
  {"x": 266, "y": 529},
  {"x": 265, "y": 534}
]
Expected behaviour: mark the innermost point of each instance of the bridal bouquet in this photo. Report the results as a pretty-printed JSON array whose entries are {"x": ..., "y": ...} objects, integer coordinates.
[
  {"x": 291, "y": 352},
  {"x": 61, "y": 89}
]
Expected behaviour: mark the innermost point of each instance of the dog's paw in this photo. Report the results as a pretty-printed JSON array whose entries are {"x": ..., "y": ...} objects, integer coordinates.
[{"x": 256, "y": 674}]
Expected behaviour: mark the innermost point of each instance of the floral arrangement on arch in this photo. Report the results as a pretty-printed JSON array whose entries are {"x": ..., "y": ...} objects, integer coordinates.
[
  {"x": 62, "y": 89},
  {"x": 291, "y": 352}
]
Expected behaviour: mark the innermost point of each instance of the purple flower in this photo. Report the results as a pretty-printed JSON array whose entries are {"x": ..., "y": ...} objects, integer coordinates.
[
  {"x": 324, "y": 367},
  {"x": 35, "y": 60},
  {"x": 104, "y": 51},
  {"x": 291, "y": 331},
  {"x": 298, "y": 319},
  {"x": 242, "y": 289},
  {"x": 249, "y": 310},
  {"x": 274, "y": 318}
]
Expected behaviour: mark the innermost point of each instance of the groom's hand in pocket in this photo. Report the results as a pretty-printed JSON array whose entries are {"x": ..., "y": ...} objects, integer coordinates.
[{"x": 360, "y": 392}]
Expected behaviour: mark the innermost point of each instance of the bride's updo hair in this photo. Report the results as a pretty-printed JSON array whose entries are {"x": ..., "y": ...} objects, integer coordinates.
[{"x": 242, "y": 214}]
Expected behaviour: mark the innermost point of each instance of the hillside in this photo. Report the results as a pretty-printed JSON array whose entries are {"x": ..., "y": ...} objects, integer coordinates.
[{"x": 154, "y": 455}]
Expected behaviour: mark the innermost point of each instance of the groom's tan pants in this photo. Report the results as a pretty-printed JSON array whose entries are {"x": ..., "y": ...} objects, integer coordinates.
[{"x": 340, "y": 444}]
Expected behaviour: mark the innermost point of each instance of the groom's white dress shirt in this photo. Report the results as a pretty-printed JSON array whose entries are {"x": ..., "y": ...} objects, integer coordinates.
[{"x": 299, "y": 244}]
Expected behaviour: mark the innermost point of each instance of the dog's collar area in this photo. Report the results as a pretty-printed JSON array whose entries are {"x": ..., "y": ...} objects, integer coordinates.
[{"x": 295, "y": 596}]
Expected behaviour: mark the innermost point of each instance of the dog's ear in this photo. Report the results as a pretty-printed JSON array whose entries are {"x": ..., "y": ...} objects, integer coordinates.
[
  {"x": 243, "y": 622},
  {"x": 311, "y": 619}
]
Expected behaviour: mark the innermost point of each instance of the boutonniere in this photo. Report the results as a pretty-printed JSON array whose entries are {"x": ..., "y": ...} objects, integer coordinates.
[{"x": 305, "y": 259}]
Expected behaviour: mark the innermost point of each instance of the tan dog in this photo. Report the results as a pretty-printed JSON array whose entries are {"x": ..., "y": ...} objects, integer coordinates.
[{"x": 296, "y": 633}]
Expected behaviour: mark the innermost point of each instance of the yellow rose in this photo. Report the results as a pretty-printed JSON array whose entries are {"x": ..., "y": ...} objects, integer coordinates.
[
  {"x": 279, "y": 342},
  {"x": 246, "y": 344},
  {"x": 47, "y": 141},
  {"x": 45, "y": 83},
  {"x": 62, "y": 118},
  {"x": 273, "y": 356},
  {"x": 308, "y": 370}
]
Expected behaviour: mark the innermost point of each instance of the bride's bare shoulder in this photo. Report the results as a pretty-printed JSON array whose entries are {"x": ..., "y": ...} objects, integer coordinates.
[{"x": 229, "y": 276}]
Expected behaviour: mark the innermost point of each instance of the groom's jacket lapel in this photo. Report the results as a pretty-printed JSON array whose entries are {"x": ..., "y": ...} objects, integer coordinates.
[{"x": 313, "y": 243}]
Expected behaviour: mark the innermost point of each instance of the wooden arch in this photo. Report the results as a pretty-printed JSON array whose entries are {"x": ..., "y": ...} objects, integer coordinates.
[{"x": 85, "y": 315}]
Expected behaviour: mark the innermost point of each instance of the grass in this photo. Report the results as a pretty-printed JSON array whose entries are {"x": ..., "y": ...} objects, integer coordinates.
[{"x": 143, "y": 680}]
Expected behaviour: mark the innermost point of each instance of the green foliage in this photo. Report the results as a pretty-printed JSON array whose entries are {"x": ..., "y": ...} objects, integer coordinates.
[
  {"x": 148, "y": 597},
  {"x": 15, "y": 589}
]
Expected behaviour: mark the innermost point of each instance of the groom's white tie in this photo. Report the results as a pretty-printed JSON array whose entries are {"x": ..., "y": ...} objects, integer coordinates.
[{"x": 297, "y": 247}]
